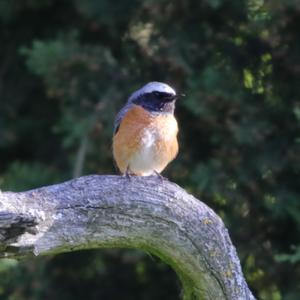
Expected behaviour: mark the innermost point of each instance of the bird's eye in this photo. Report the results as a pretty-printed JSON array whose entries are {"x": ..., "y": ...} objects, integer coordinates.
[{"x": 157, "y": 94}]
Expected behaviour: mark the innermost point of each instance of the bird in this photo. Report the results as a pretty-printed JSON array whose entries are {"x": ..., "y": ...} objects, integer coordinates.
[{"x": 145, "y": 131}]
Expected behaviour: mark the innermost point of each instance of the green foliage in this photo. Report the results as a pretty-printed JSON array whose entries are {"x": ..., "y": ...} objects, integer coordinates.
[
  {"x": 292, "y": 258},
  {"x": 69, "y": 65},
  {"x": 111, "y": 274},
  {"x": 21, "y": 176}
]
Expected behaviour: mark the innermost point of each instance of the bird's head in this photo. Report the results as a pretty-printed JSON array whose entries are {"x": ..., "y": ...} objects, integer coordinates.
[{"x": 155, "y": 97}]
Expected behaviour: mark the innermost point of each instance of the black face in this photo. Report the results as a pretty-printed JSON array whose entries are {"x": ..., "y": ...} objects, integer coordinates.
[{"x": 157, "y": 102}]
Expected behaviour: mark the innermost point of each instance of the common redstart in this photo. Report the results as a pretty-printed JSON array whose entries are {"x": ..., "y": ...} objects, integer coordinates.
[{"x": 145, "y": 131}]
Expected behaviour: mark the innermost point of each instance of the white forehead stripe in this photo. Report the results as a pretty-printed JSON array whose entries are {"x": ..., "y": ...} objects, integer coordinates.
[
  {"x": 157, "y": 86},
  {"x": 152, "y": 87}
]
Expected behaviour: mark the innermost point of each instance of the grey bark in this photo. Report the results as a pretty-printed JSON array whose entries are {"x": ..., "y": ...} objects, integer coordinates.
[{"x": 146, "y": 213}]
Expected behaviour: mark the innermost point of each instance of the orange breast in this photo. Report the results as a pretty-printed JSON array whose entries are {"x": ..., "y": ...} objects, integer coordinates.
[{"x": 145, "y": 142}]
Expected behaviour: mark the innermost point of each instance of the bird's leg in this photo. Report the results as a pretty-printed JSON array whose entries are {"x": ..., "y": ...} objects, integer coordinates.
[
  {"x": 128, "y": 173},
  {"x": 161, "y": 178}
]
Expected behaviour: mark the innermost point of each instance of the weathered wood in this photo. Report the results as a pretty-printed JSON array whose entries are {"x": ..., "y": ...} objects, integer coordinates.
[{"x": 146, "y": 213}]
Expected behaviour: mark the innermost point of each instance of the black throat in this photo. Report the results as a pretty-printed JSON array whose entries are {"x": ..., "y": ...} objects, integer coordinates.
[{"x": 157, "y": 102}]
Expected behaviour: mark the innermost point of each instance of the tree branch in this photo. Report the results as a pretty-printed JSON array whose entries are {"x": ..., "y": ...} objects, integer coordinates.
[{"x": 113, "y": 211}]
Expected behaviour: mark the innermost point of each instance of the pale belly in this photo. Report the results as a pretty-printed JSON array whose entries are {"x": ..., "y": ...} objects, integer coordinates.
[{"x": 155, "y": 151}]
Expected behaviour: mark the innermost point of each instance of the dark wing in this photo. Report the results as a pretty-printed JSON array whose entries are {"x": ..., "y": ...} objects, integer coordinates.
[{"x": 121, "y": 115}]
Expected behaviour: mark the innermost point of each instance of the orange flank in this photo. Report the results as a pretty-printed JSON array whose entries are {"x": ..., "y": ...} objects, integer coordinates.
[{"x": 145, "y": 142}]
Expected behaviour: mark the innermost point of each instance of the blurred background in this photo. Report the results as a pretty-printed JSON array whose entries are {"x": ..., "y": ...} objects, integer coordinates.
[{"x": 66, "y": 68}]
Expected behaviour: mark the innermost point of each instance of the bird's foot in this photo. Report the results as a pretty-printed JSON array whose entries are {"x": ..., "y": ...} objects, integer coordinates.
[
  {"x": 160, "y": 177},
  {"x": 128, "y": 174}
]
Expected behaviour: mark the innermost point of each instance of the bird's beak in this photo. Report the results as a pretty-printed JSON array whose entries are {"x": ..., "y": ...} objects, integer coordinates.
[{"x": 179, "y": 96}]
